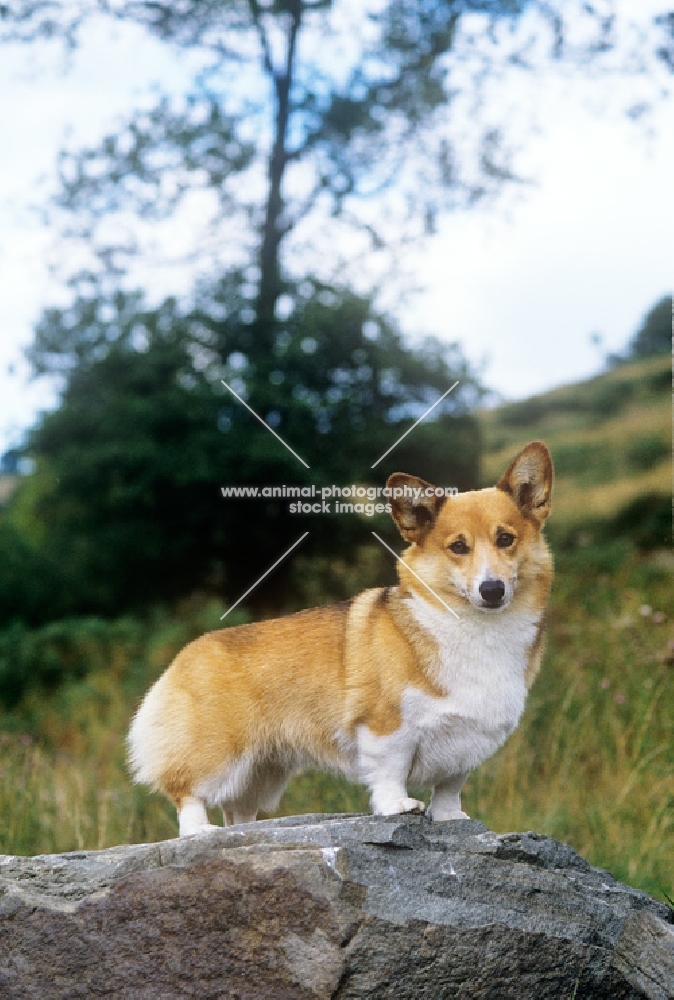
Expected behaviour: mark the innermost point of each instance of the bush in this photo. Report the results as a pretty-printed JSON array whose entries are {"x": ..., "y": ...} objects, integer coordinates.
[
  {"x": 28, "y": 580},
  {"x": 63, "y": 650},
  {"x": 654, "y": 336},
  {"x": 589, "y": 462},
  {"x": 647, "y": 451},
  {"x": 608, "y": 398},
  {"x": 647, "y": 520}
]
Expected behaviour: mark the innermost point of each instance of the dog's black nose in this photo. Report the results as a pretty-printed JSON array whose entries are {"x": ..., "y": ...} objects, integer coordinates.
[{"x": 492, "y": 591}]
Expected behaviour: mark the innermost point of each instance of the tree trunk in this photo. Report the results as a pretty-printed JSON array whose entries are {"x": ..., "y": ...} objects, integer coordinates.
[{"x": 275, "y": 227}]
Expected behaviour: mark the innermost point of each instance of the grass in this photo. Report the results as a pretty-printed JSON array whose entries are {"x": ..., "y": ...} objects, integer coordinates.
[{"x": 591, "y": 762}]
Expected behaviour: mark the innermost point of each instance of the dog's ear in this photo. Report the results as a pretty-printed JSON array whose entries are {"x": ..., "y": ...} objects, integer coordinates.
[
  {"x": 528, "y": 480},
  {"x": 413, "y": 511}
]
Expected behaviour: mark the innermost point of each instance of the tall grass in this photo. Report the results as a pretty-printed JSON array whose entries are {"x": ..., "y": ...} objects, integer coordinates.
[
  {"x": 590, "y": 764},
  {"x": 52, "y": 803}
]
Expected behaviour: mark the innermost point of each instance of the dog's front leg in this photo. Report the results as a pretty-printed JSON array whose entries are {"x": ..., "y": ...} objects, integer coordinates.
[
  {"x": 384, "y": 764},
  {"x": 446, "y": 798}
]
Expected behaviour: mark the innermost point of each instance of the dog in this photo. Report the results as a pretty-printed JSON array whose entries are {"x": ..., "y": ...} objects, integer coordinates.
[{"x": 409, "y": 685}]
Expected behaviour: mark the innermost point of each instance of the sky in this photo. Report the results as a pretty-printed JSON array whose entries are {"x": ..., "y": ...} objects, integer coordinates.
[
  {"x": 587, "y": 252},
  {"x": 523, "y": 284}
]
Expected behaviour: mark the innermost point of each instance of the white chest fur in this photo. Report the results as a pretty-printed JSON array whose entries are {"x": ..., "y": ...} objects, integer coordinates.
[{"x": 480, "y": 666}]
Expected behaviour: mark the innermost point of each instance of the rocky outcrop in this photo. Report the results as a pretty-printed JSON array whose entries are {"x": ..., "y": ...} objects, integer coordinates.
[{"x": 330, "y": 906}]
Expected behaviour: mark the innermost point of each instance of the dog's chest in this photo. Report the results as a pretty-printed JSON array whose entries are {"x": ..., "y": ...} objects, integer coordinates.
[{"x": 480, "y": 665}]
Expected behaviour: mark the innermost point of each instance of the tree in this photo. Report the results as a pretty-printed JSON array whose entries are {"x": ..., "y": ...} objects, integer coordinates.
[
  {"x": 294, "y": 145},
  {"x": 654, "y": 336},
  {"x": 304, "y": 125},
  {"x": 332, "y": 135},
  {"x": 146, "y": 435}
]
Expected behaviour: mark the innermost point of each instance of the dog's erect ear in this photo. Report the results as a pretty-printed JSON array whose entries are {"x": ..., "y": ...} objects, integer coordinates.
[
  {"x": 528, "y": 480},
  {"x": 412, "y": 510}
]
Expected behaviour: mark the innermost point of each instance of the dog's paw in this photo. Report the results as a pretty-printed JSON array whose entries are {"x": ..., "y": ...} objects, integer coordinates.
[
  {"x": 442, "y": 816},
  {"x": 412, "y": 806},
  {"x": 201, "y": 828},
  {"x": 397, "y": 807}
]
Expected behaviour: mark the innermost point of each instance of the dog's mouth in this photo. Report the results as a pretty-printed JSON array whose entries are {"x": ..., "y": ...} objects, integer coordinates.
[
  {"x": 492, "y": 605},
  {"x": 482, "y": 605}
]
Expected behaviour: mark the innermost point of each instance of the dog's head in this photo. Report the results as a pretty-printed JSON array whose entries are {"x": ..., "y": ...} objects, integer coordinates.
[{"x": 481, "y": 546}]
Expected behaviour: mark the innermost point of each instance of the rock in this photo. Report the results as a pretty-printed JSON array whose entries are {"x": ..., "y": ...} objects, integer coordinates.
[{"x": 331, "y": 906}]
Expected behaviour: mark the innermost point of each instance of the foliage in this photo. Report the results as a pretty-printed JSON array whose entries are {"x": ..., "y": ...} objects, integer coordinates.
[
  {"x": 277, "y": 136},
  {"x": 28, "y": 579},
  {"x": 647, "y": 519},
  {"x": 348, "y": 106},
  {"x": 37, "y": 664},
  {"x": 133, "y": 461},
  {"x": 654, "y": 336},
  {"x": 311, "y": 124},
  {"x": 606, "y": 400},
  {"x": 611, "y": 443},
  {"x": 62, "y": 651},
  {"x": 294, "y": 129}
]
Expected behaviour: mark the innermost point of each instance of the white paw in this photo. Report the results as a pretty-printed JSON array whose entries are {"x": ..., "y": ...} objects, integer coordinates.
[
  {"x": 398, "y": 806},
  {"x": 442, "y": 815},
  {"x": 202, "y": 828}
]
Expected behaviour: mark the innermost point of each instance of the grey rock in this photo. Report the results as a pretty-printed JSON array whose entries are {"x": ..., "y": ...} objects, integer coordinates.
[{"x": 331, "y": 906}]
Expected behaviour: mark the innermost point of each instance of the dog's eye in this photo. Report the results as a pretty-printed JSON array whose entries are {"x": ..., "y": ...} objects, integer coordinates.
[
  {"x": 459, "y": 547},
  {"x": 504, "y": 539}
]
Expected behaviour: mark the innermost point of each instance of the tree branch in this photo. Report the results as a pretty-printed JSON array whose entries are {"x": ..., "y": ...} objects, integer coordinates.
[{"x": 267, "y": 60}]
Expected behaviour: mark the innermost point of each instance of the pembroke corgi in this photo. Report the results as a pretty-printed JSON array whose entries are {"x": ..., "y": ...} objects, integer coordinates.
[{"x": 409, "y": 685}]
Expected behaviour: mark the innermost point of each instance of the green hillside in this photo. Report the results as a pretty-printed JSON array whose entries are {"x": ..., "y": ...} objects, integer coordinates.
[{"x": 611, "y": 442}]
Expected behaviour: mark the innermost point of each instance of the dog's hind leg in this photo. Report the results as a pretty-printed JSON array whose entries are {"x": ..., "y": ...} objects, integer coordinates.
[
  {"x": 233, "y": 814},
  {"x": 446, "y": 798},
  {"x": 264, "y": 791},
  {"x": 192, "y": 817}
]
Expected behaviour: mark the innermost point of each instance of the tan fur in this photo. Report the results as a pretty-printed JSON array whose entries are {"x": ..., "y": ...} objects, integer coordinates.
[{"x": 258, "y": 702}]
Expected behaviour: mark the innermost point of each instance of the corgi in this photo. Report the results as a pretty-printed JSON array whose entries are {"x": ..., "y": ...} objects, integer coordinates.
[{"x": 409, "y": 685}]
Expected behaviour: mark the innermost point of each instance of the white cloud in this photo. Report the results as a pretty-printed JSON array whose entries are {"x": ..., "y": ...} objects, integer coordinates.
[{"x": 587, "y": 250}]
